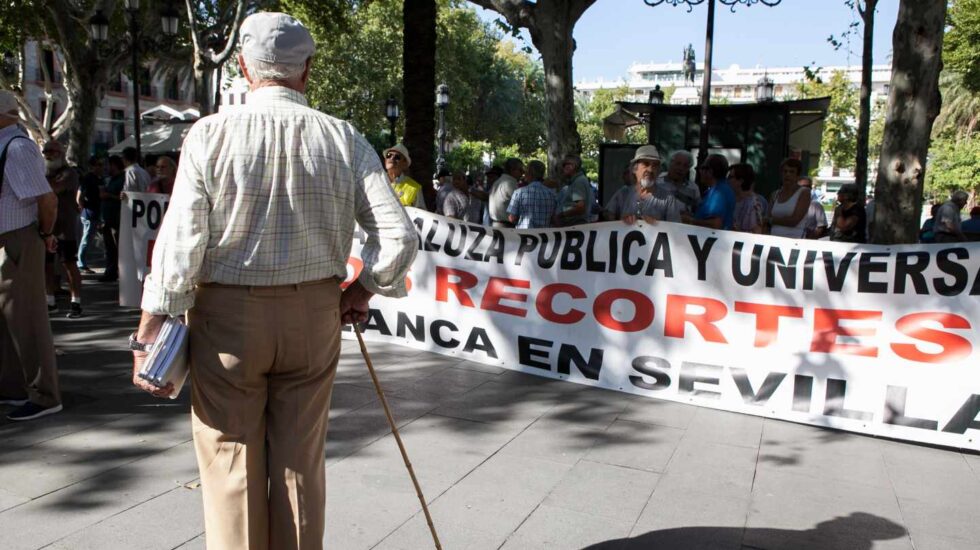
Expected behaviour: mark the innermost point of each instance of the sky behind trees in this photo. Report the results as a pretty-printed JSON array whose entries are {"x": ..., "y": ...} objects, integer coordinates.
[{"x": 613, "y": 34}]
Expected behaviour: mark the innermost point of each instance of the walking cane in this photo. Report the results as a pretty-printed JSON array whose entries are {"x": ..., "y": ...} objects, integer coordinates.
[{"x": 398, "y": 439}]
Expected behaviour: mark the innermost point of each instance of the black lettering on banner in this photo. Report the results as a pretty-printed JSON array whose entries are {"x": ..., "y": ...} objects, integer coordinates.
[
  {"x": 545, "y": 259},
  {"x": 802, "y": 393},
  {"x": 768, "y": 387},
  {"x": 834, "y": 402},
  {"x": 428, "y": 245},
  {"x": 139, "y": 210},
  {"x": 895, "y": 398},
  {"x": 866, "y": 266},
  {"x": 613, "y": 251},
  {"x": 629, "y": 266},
  {"x": 965, "y": 418},
  {"x": 154, "y": 215},
  {"x": 786, "y": 268},
  {"x": 590, "y": 262},
  {"x": 660, "y": 257},
  {"x": 949, "y": 267},
  {"x": 905, "y": 271},
  {"x": 528, "y": 244},
  {"x": 455, "y": 249},
  {"x": 435, "y": 332},
  {"x": 526, "y": 353},
  {"x": 657, "y": 368},
  {"x": 701, "y": 252},
  {"x": 376, "y": 321},
  {"x": 403, "y": 326},
  {"x": 568, "y": 354},
  {"x": 496, "y": 249},
  {"x": 687, "y": 379},
  {"x": 478, "y": 340},
  {"x": 471, "y": 253},
  {"x": 808, "y": 261},
  {"x": 836, "y": 274},
  {"x": 571, "y": 258},
  {"x": 742, "y": 278}
]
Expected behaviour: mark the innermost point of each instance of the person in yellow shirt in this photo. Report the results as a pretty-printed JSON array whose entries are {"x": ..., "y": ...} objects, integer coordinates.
[{"x": 408, "y": 191}]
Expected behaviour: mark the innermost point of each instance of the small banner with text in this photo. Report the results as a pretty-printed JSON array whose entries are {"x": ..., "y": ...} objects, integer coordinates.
[{"x": 140, "y": 219}]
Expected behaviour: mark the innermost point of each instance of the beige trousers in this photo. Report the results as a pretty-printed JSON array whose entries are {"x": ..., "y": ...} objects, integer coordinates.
[
  {"x": 27, "y": 360},
  {"x": 263, "y": 361}
]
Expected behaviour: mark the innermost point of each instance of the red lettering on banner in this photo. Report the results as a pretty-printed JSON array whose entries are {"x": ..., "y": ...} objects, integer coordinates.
[
  {"x": 767, "y": 319},
  {"x": 826, "y": 329},
  {"x": 954, "y": 346},
  {"x": 355, "y": 265},
  {"x": 642, "y": 317},
  {"x": 495, "y": 293},
  {"x": 678, "y": 316},
  {"x": 546, "y": 300},
  {"x": 464, "y": 281},
  {"x": 149, "y": 252}
]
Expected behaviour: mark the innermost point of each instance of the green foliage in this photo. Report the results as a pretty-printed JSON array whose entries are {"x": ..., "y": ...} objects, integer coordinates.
[
  {"x": 960, "y": 112},
  {"x": 961, "y": 44},
  {"x": 953, "y": 165},
  {"x": 470, "y": 155},
  {"x": 839, "y": 145},
  {"x": 589, "y": 114},
  {"x": 496, "y": 92},
  {"x": 876, "y": 132}
]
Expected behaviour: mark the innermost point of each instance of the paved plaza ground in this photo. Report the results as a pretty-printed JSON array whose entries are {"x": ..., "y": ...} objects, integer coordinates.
[{"x": 506, "y": 460}]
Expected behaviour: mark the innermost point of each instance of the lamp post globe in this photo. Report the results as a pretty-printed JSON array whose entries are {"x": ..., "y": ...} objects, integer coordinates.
[
  {"x": 98, "y": 26},
  {"x": 392, "y": 112},
  {"x": 442, "y": 101},
  {"x": 132, "y": 5},
  {"x": 764, "y": 90},
  {"x": 169, "y": 18}
]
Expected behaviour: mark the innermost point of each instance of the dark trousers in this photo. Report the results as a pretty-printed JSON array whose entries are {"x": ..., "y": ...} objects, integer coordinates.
[{"x": 110, "y": 236}]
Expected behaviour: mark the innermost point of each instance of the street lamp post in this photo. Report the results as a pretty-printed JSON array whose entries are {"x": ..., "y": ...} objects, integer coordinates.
[
  {"x": 708, "y": 39},
  {"x": 99, "y": 30},
  {"x": 764, "y": 89},
  {"x": 391, "y": 112},
  {"x": 442, "y": 101}
]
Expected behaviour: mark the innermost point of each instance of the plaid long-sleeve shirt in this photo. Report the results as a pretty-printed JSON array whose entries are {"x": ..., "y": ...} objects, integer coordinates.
[{"x": 267, "y": 194}]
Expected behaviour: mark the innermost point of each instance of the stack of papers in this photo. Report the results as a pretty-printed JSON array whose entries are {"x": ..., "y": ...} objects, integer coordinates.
[{"x": 167, "y": 362}]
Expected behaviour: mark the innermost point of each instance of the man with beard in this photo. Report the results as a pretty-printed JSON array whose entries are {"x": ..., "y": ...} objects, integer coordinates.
[
  {"x": 64, "y": 182},
  {"x": 645, "y": 199},
  {"x": 677, "y": 182}
]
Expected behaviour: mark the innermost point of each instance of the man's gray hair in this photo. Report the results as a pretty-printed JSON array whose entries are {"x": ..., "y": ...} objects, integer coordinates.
[
  {"x": 959, "y": 195},
  {"x": 682, "y": 153},
  {"x": 535, "y": 170},
  {"x": 263, "y": 70}
]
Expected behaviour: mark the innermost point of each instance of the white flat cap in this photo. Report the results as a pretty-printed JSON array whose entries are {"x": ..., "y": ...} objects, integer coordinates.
[
  {"x": 276, "y": 38},
  {"x": 8, "y": 103}
]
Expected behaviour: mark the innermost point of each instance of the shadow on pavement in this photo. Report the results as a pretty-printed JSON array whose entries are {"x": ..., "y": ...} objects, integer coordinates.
[{"x": 857, "y": 531}]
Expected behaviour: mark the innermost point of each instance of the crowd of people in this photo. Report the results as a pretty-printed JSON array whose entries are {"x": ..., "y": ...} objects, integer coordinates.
[{"x": 521, "y": 196}]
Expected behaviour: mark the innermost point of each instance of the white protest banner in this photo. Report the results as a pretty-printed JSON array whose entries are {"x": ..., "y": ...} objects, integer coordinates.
[
  {"x": 140, "y": 220},
  {"x": 872, "y": 339}
]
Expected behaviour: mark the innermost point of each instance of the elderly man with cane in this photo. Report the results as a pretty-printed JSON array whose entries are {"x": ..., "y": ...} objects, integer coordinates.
[{"x": 254, "y": 248}]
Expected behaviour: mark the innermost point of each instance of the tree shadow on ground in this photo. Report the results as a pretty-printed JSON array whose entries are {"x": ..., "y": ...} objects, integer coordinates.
[{"x": 857, "y": 531}]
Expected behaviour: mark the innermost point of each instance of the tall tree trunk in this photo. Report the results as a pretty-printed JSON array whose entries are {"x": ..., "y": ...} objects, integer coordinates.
[
  {"x": 86, "y": 104},
  {"x": 913, "y": 104},
  {"x": 418, "y": 89},
  {"x": 867, "y": 13},
  {"x": 555, "y": 45},
  {"x": 202, "y": 86}
]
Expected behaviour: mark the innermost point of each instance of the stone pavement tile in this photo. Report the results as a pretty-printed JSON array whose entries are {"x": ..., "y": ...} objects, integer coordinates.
[
  {"x": 56, "y": 515},
  {"x": 595, "y": 408},
  {"x": 661, "y": 413},
  {"x": 601, "y": 490},
  {"x": 164, "y": 522},
  {"x": 439, "y": 386},
  {"x": 362, "y": 426},
  {"x": 725, "y": 427},
  {"x": 524, "y": 379},
  {"x": 826, "y": 454},
  {"x": 503, "y": 404},
  {"x": 480, "y": 367},
  {"x": 415, "y": 534},
  {"x": 716, "y": 468},
  {"x": 802, "y": 511},
  {"x": 9, "y": 500},
  {"x": 56, "y": 463},
  {"x": 348, "y": 397},
  {"x": 554, "y": 440},
  {"x": 196, "y": 543},
  {"x": 937, "y": 476},
  {"x": 635, "y": 445},
  {"x": 552, "y": 527},
  {"x": 947, "y": 520},
  {"x": 500, "y": 494},
  {"x": 926, "y": 541},
  {"x": 686, "y": 518},
  {"x": 974, "y": 462}
]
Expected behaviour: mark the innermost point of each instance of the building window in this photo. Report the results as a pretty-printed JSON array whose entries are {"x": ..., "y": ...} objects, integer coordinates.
[
  {"x": 118, "y": 125},
  {"x": 146, "y": 84},
  {"x": 116, "y": 84},
  {"x": 242, "y": 99},
  {"x": 231, "y": 99},
  {"x": 173, "y": 89}
]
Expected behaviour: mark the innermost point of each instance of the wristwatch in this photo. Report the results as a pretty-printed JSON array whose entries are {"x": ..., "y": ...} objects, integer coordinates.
[
  {"x": 136, "y": 345},
  {"x": 43, "y": 235}
]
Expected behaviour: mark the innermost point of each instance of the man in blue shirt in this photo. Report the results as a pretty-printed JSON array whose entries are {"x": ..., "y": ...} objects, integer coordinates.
[
  {"x": 534, "y": 205},
  {"x": 717, "y": 209}
]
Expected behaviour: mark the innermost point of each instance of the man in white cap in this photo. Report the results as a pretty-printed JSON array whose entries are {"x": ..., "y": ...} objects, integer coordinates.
[
  {"x": 645, "y": 199},
  {"x": 28, "y": 207},
  {"x": 254, "y": 248},
  {"x": 408, "y": 191}
]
